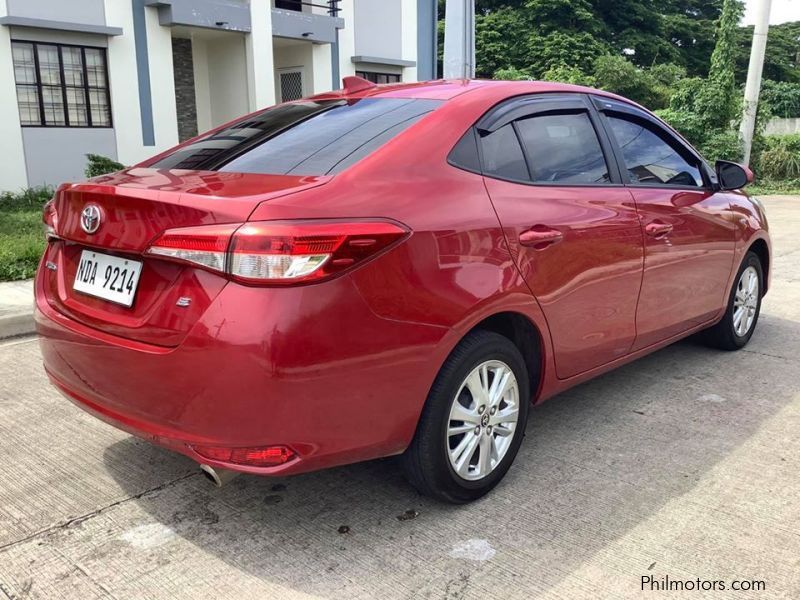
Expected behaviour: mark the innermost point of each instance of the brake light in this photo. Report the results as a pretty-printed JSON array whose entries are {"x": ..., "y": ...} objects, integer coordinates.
[
  {"x": 279, "y": 252},
  {"x": 50, "y": 219},
  {"x": 206, "y": 246},
  {"x": 269, "y": 456}
]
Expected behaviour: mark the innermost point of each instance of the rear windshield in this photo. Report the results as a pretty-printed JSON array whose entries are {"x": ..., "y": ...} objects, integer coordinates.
[{"x": 302, "y": 138}]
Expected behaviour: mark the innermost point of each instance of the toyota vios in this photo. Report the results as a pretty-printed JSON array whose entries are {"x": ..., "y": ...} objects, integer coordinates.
[{"x": 391, "y": 270}]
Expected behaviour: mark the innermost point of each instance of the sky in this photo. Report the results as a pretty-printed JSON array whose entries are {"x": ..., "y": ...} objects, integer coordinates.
[{"x": 782, "y": 11}]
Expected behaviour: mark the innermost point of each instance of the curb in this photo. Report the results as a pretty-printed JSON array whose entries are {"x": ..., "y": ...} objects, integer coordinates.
[{"x": 16, "y": 325}]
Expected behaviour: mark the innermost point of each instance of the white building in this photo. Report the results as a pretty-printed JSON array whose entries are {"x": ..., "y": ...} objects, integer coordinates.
[{"x": 129, "y": 78}]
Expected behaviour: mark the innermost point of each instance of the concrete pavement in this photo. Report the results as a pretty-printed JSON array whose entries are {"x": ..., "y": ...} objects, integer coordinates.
[
  {"x": 685, "y": 464},
  {"x": 16, "y": 308}
]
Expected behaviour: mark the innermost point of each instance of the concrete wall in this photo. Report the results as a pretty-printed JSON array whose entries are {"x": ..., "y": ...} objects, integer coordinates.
[
  {"x": 779, "y": 126},
  {"x": 55, "y": 155},
  {"x": 72, "y": 11},
  {"x": 295, "y": 54},
  {"x": 377, "y": 30},
  {"x": 228, "y": 15},
  {"x": 227, "y": 78}
]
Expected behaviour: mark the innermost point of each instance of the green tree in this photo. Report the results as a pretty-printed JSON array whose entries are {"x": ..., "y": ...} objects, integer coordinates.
[
  {"x": 501, "y": 41},
  {"x": 782, "y": 58},
  {"x": 649, "y": 87},
  {"x": 718, "y": 102}
]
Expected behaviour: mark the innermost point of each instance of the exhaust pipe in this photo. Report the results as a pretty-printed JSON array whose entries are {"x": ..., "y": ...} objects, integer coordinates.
[{"x": 218, "y": 477}]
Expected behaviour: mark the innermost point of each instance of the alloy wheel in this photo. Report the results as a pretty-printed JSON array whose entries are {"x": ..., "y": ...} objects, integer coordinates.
[
  {"x": 745, "y": 302},
  {"x": 483, "y": 418}
]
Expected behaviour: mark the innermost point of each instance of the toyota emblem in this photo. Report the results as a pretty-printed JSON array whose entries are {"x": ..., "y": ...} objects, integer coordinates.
[{"x": 90, "y": 218}]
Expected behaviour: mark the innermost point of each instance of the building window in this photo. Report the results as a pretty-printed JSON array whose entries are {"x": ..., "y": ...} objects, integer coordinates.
[
  {"x": 60, "y": 85},
  {"x": 376, "y": 77},
  {"x": 289, "y": 5}
]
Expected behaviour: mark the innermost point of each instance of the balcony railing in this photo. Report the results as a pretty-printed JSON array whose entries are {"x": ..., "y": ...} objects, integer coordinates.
[{"x": 332, "y": 6}]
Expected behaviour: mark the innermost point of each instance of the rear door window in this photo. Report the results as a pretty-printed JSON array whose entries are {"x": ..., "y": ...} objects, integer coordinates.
[
  {"x": 502, "y": 154},
  {"x": 563, "y": 148},
  {"x": 303, "y": 138}
]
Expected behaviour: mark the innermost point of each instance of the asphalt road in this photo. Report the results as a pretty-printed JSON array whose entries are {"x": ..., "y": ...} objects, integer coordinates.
[{"x": 685, "y": 464}]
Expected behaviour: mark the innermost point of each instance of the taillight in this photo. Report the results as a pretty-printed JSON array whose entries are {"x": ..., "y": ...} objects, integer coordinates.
[
  {"x": 279, "y": 252},
  {"x": 206, "y": 246},
  {"x": 50, "y": 219},
  {"x": 266, "y": 456}
]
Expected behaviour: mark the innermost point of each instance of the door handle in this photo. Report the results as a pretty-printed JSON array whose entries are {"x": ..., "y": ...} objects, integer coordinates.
[
  {"x": 540, "y": 237},
  {"x": 658, "y": 229}
]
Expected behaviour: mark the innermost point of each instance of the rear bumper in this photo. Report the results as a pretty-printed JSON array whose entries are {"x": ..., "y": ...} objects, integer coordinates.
[{"x": 317, "y": 372}]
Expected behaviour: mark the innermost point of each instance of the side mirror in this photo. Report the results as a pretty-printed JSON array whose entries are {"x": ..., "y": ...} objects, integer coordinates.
[{"x": 732, "y": 176}]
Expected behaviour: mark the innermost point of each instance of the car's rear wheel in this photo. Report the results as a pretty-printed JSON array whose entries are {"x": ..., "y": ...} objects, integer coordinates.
[
  {"x": 744, "y": 305},
  {"x": 473, "y": 421}
]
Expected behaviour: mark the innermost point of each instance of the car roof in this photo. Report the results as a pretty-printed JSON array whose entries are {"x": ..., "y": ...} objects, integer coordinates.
[{"x": 447, "y": 89}]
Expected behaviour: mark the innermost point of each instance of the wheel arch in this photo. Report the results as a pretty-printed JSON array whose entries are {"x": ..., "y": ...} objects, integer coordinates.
[
  {"x": 524, "y": 334},
  {"x": 760, "y": 248}
]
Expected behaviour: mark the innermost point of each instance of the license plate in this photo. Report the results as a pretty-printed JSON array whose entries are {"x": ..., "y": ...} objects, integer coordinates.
[{"x": 108, "y": 277}]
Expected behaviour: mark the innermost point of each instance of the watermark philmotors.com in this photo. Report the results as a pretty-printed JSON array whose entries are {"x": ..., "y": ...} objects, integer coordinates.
[{"x": 666, "y": 583}]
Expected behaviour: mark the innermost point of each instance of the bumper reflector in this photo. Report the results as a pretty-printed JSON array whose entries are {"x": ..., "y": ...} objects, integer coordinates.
[{"x": 269, "y": 456}]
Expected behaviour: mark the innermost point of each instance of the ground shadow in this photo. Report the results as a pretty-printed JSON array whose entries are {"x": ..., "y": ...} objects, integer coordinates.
[{"x": 597, "y": 461}]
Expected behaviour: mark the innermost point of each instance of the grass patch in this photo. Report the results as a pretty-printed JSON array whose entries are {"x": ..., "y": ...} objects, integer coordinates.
[
  {"x": 21, "y": 233},
  {"x": 764, "y": 188}
]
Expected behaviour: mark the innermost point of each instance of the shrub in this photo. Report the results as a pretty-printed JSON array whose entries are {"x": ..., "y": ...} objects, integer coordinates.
[
  {"x": 101, "y": 165},
  {"x": 512, "y": 74},
  {"x": 782, "y": 97},
  {"x": 34, "y": 197},
  {"x": 780, "y": 158},
  {"x": 723, "y": 145},
  {"x": 790, "y": 142},
  {"x": 21, "y": 232}
]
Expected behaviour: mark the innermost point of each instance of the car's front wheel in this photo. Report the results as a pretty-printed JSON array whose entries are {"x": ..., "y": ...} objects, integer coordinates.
[
  {"x": 744, "y": 305},
  {"x": 473, "y": 421}
]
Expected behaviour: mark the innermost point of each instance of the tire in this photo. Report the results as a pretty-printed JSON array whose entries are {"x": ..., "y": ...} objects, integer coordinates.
[
  {"x": 729, "y": 333},
  {"x": 430, "y": 461}
]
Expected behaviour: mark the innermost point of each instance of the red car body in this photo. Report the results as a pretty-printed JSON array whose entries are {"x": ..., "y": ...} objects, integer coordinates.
[{"x": 338, "y": 371}]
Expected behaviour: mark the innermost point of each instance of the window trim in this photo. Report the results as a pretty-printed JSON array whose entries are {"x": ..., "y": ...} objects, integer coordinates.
[
  {"x": 63, "y": 85},
  {"x": 547, "y": 103},
  {"x": 607, "y": 107}
]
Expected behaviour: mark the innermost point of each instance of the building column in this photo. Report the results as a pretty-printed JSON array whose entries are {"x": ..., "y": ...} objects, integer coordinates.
[
  {"x": 321, "y": 78},
  {"x": 13, "y": 174},
  {"x": 260, "y": 63},
  {"x": 202, "y": 87},
  {"x": 347, "y": 41},
  {"x": 139, "y": 73},
  {"x": 427, "y": 40},
  {"x": 162, "y": 82},
  {"x": 459, "y": 39},
  {"x": 409, "y": 33}
]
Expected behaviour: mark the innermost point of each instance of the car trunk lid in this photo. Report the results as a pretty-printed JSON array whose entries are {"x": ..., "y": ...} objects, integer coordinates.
[{"x": 135, "y": 207}]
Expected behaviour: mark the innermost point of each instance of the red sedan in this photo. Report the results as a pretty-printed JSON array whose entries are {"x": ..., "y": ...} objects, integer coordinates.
[{"x": 391, "y": 270}]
